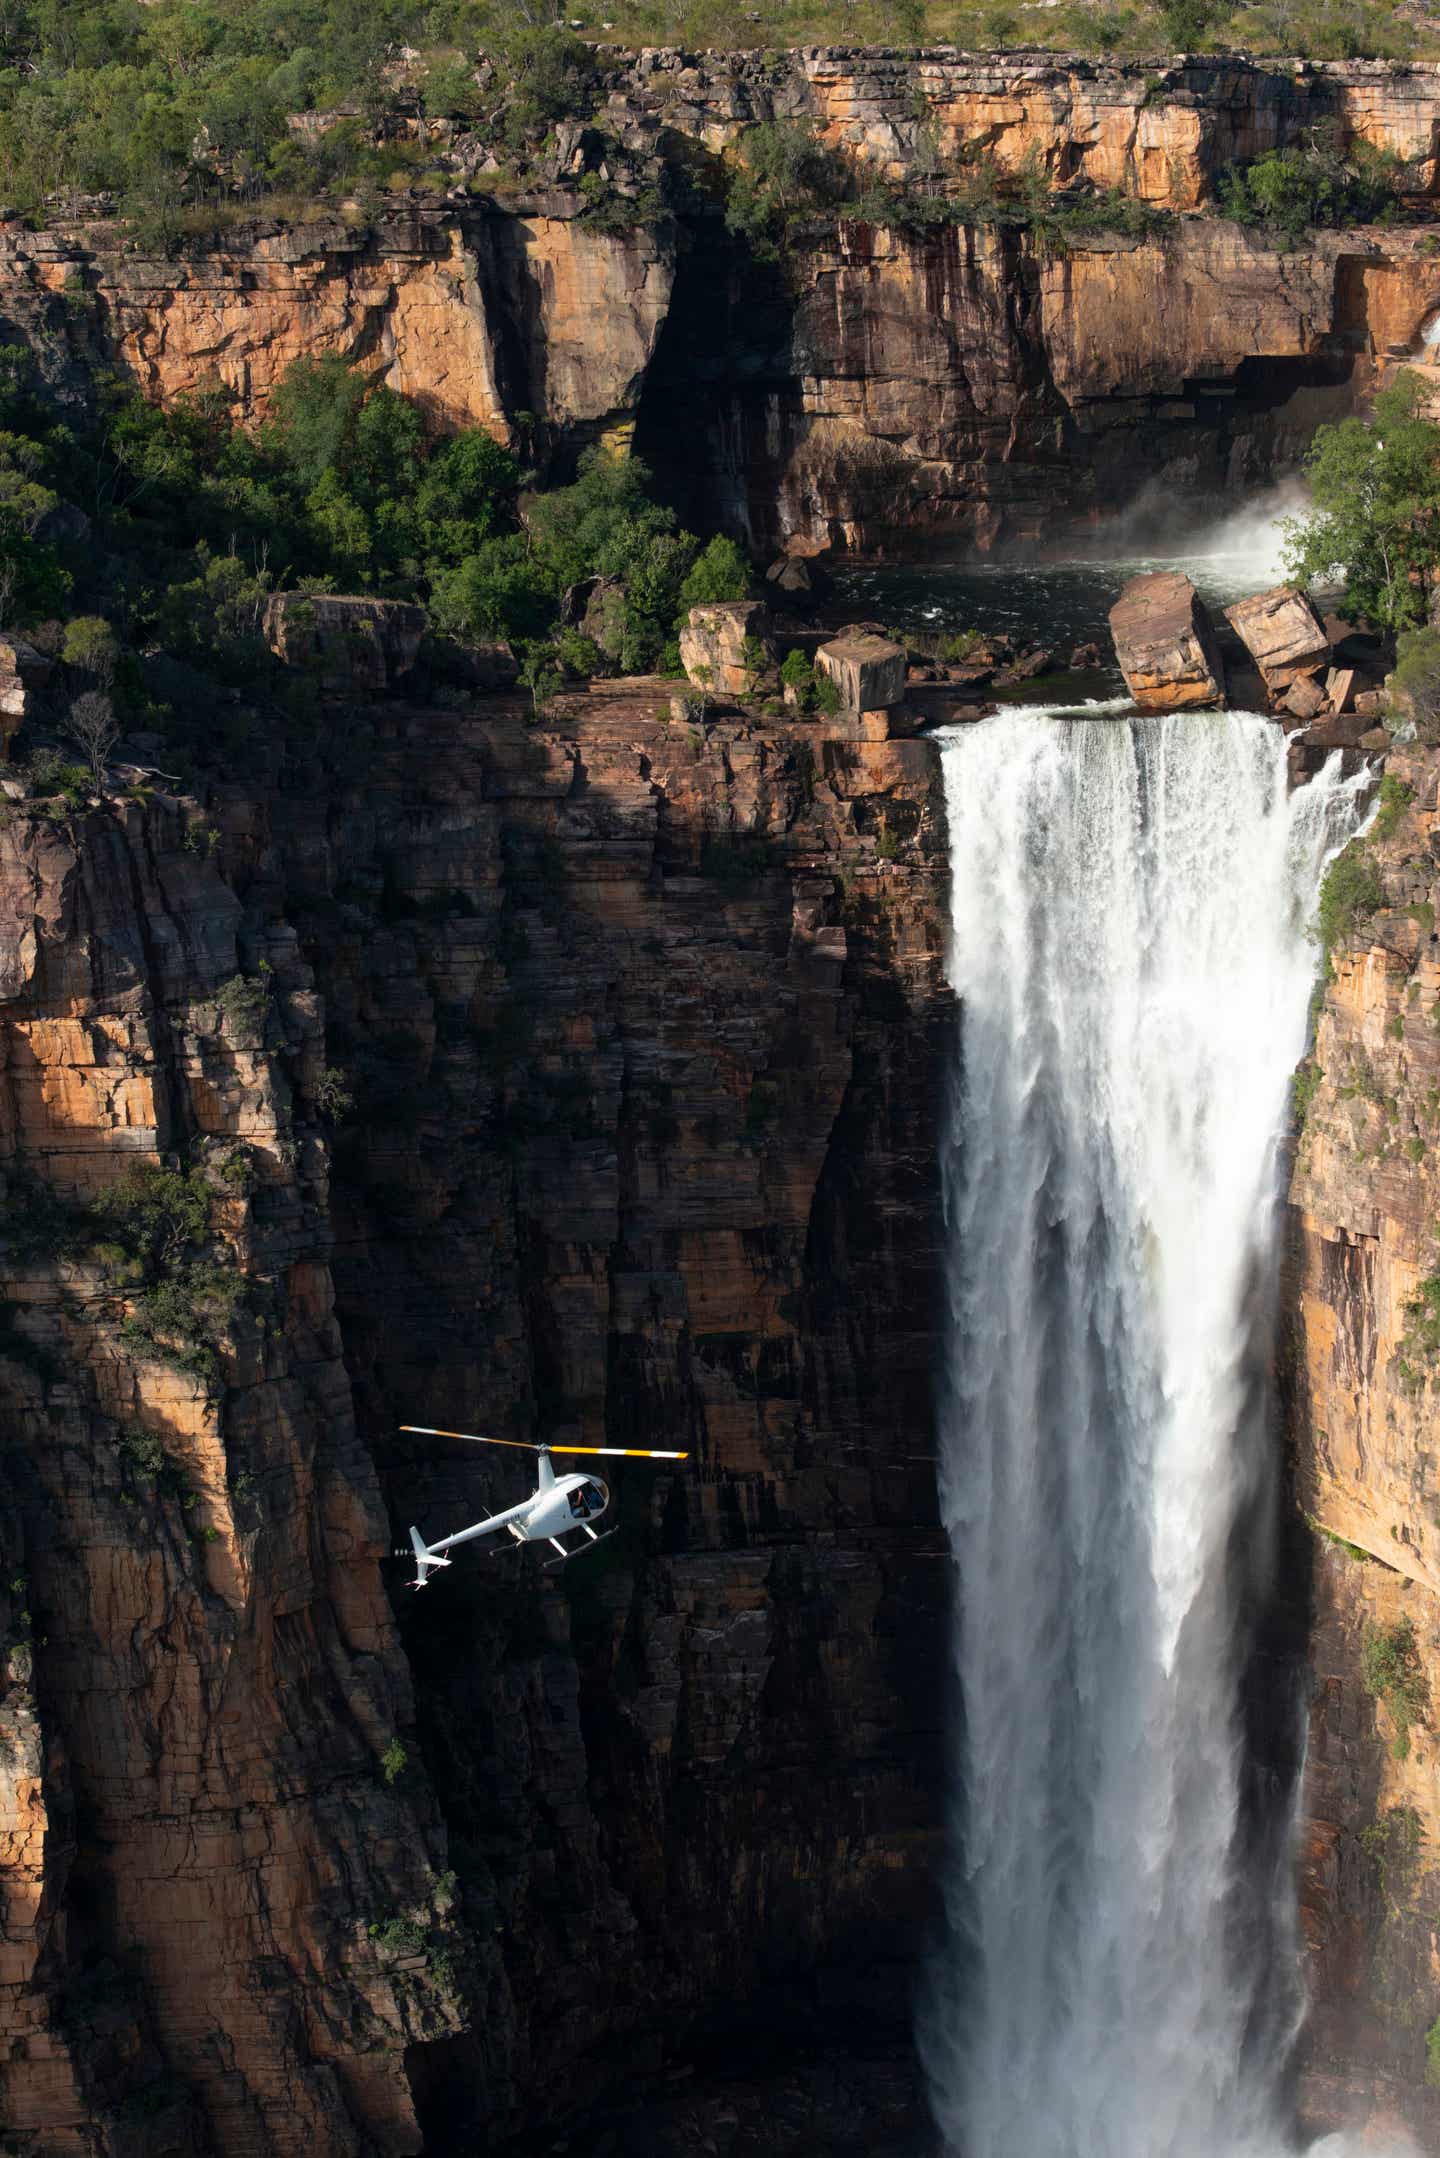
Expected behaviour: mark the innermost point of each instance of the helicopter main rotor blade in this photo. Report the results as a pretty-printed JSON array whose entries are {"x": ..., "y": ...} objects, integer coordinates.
[
  {"x": 631, "y": 1453},
  {"x": 477, "y": 1438}
]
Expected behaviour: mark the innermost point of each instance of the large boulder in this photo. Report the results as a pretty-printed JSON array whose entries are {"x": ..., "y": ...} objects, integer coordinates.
[
  {"x": 1165, "y": 645},
  {"x": 362, "y": 645},
  {"x": 868, "y": 671},
  {"x": 1283, "y": 635},
  {"x": 722, "y": 646},
  {"x": 798, "y": 581}
]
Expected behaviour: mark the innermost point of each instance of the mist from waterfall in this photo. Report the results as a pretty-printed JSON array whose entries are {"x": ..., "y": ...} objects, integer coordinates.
[{"x": 1131, "y": 954}]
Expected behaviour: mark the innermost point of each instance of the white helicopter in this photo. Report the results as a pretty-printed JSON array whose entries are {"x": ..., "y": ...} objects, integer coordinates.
[{"x": 559, "y": 1505}]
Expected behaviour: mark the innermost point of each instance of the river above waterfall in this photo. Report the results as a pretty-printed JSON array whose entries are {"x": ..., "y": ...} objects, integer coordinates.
[{"x": 1065, "y": 603}]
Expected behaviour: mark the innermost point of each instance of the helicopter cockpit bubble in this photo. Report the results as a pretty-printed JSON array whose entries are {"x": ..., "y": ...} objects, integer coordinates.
[{"x": 589, "y": 1499}]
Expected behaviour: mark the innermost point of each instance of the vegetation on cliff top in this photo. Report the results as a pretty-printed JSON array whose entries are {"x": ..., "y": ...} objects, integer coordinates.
[
  {"x": 180, "y": 109},
  {"x": 163, "y": 533}
]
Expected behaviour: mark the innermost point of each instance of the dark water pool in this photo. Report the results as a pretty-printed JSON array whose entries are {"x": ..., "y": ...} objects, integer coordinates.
[{"x": 1062, "y": 603}]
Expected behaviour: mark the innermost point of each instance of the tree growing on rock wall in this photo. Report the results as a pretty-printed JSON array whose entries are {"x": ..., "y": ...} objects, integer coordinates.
[
  {"x": 1376, "y": 487},
  {"x": 93, "y": 728}
]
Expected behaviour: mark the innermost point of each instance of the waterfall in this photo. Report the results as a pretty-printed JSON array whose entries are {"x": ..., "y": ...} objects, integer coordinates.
[{"x": 1130, "y": 951}]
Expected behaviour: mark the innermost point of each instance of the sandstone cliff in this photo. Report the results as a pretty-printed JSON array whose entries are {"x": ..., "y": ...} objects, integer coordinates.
[
  {"x": 633, "y": 1034},
  {"x": 1164, "y": 133},
  {"x": 1361, "y": 1375},
  {"x": 878, "y": 388}
]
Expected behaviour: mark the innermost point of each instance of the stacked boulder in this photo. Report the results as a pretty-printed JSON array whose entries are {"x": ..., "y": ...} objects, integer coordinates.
[
  {"x": 1310, "y": 673},
  {"x": 1165, "y": 644},
  {"x": 869, "y": 672},
  {"x": 724, "y": 647},
  {"x": 1286, "y": 639}
]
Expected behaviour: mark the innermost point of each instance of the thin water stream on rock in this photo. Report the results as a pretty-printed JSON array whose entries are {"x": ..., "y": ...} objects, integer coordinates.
[{"x": 1131, "y": 952}]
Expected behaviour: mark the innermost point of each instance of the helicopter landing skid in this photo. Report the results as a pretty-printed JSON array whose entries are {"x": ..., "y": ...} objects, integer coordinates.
[{"x": 594, "y": 1537}]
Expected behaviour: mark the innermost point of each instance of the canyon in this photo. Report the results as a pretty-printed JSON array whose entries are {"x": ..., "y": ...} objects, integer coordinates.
[{"x": 584, "y": 1074}]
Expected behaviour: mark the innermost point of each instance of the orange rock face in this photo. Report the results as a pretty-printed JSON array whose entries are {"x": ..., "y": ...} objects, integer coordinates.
[
  {"x": 1163, "y": 134},
  {"x": 1361, "y": 1382},
  {"x": 887, "y": 386},
  {"x": 421, "y": 304}
]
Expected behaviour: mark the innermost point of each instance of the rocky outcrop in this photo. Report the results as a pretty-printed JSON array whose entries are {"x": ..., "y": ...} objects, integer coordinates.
[
  {"x": 721, "y": 646},
  {"x": 868, "y": 671},
  {"x": 1164, "y": 644},
  {"x": 23, "y": 673},
  {"x": 361, "y": 647},
  {"x": 1164, "y": 133},
  {"x": 878, "y": 387},
  {"x": 1360, "y": 1372},
  {"x": 591, "y": 1092}
]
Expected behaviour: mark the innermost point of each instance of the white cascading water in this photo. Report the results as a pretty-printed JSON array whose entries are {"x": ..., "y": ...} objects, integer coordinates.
[{"x": 1130, "y": 949}]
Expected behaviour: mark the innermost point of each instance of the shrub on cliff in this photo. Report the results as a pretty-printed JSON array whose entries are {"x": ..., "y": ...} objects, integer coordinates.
[
  {"x": 1325, "y": 184},
  {"x": 784, "y": 174},
  {"x": 1376, "y": 488},
  {"x": 1350, "y": 890},
  {"x": 1415, "y": 684},
  {"x": 155, "y": 1228},
  {"x": 1393, "y": 1674}
]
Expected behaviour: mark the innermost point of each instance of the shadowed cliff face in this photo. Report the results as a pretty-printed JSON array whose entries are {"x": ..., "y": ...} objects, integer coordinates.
[
  {"x": 643, "y": 1038},
  {"x": 897, "y": 391},
  {"x": 1360, "y": 1382},
  {"x": 202, "y": 1670}
]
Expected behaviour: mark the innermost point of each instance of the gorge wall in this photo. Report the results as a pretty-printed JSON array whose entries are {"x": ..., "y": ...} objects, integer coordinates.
[
  {"x": 643, "y": 1038},
  {"x": 875, "y": 387},
  {"x": 1360, "y": 1372},
  {"x": 591, "y": 1083}
]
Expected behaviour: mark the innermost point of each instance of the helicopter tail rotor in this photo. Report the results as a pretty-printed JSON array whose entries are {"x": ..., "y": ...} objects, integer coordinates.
[{"x": 425, "y": 1558}]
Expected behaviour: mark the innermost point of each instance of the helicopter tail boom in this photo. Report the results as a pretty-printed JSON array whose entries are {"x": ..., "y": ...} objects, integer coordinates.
[{"x": 425, "y": 1558}]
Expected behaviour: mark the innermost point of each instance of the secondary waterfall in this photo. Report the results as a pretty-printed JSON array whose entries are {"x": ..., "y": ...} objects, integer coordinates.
[{"x": 1130, "y": 949}]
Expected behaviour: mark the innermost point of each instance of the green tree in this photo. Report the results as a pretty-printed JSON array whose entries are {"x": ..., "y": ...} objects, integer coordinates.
[
  {"x": 595, "y": 526},
  {"x": 313, "y": 415},
  {"x": 465, "y": 494},
  {"x": 1376, "y": 488},
  {"x": 499, "y": 591},
  {"x": 719, "y": 572},
  {"x": 1187, "y": 23}
]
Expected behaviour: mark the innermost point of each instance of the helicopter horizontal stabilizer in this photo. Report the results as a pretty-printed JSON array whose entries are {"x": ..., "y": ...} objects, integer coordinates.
[{"x": 425, "y": 1558}]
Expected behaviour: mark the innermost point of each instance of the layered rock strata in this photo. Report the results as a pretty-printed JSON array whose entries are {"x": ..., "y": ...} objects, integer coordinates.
[
  {"x": 629, "y": 1036},
  {"x": 878, "y": 386},
  {"x": 1165, "y": 133},
  {"x": 1360, "y": 1366}
]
